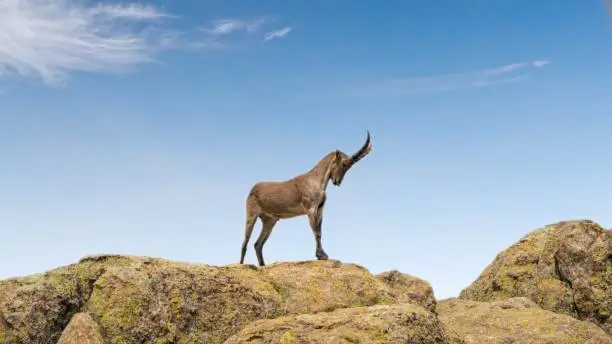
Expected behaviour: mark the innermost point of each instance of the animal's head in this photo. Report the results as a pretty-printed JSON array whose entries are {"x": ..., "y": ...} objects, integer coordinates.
[{"x": 343, "y": 162}]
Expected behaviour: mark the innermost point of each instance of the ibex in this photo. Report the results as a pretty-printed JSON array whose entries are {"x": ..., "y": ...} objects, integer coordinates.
[{"x": 301, "y": 195}]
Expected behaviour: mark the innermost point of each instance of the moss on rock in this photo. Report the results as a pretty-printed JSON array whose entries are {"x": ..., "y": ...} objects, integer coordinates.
[
  {"x": 516, "y": 320},
  {"x": 404, "y": 323},
  {"x": 150, "y": 300},
  {"x": 159, "y": 301},
  {"x": 36, "y": 308},
  {"x": 409, "y": 289},
  {"x": 314, "y": 286},
  {"x": 564, "y": 267}
]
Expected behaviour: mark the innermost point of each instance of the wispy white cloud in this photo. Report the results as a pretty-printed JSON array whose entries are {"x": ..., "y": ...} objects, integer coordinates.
[
  {"x": 280, "y": 33},
  {"x": 224, "y": 27},
  {"x": 49, "y": 40},
  {"x": 131, "y": 11},
  {"x": 540, "y": 63},
  {"x": 511, "y": 73},
  {"x": 220, "y": 32}
]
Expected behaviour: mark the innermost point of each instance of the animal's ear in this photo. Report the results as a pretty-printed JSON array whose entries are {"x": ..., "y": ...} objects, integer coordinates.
[{"x": 337, "y": 153}]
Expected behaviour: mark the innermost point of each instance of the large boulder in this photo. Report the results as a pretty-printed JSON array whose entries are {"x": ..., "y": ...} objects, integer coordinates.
[
  {"x": 154, "y": 300},
  {"x": 516, "y": 320},
  {"x": 150, "y": 300},
  {"x": 564, "y": 267},
  {"x": 403, "y": 323}
]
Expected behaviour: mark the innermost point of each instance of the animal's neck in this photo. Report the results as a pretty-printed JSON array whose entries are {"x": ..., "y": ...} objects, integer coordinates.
[{"x": 322, "y": 171}]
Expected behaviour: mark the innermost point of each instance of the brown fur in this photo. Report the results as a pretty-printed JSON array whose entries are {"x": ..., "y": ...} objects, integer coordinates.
[{"x": 301, "y": 195}]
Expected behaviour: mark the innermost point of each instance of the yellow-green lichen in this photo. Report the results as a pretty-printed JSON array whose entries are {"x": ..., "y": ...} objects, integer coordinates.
[
  {"x": 373, "y": 324},
  {"x": 146, "y": 300},
  {"x": 482, "y": 322},
  {"x": 8, "y": 338},
  {"x": 564, "y": 267},
  {"x": 44, "y": 303},
  {"x": 553, "y": 295},
  {"x": 117, "y": 307},
  {"x": 287, "y": 338}
]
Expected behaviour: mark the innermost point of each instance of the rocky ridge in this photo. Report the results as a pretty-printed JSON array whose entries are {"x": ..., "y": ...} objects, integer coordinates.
[{"x": 549, "y": 287}]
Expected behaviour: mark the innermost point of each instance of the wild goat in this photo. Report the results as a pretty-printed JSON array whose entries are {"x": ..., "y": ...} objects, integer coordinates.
[{"x": 301, "y": 195}]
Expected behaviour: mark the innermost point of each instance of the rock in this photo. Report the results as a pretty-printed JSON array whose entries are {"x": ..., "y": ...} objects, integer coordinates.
[
  {"x": 5, "y": 335},
  {"x": 409, "y": 289},
  {"x": 516, "y": 320},
  {"x": 3, "y": 324},
  {"x": 150, "y": 300},
  {"x": 315, "y": 286},
  {"x": 156, "y": 300},
  {"x": 81, "y": 330},
  {"x": 37, "y": 308},
  {"x": 403, "y": 323},
  {"x": 564, "y": 267}
]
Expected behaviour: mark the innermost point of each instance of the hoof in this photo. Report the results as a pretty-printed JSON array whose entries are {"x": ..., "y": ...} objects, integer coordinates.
[{"x": 322, "y": 256}]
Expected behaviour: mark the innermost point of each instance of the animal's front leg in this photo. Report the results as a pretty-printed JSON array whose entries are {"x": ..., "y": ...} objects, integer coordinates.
[{"x": 316, "y": 221}]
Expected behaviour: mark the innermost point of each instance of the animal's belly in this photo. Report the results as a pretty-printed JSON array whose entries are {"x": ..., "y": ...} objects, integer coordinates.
[
  {"x": 283, "y": 211},
  {"x": 287, "y": 215}
]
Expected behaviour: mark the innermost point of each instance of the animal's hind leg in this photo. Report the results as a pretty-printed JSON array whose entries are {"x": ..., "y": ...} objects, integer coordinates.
[
  {"x": 251, "y": 218},
  {"x": 267, "y": 226},
  {"x": 316, "y": 222}
]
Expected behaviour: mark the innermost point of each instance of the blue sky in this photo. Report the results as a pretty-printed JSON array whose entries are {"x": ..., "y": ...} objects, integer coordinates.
[{"x": 140, "y": 128}]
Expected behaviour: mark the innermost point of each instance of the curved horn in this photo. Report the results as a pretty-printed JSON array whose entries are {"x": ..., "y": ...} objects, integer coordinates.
[{"x": 363, "y": 151}]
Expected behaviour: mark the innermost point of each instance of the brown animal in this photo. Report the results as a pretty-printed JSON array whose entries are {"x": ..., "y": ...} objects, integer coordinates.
[{"x": 301, "y": 195}]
